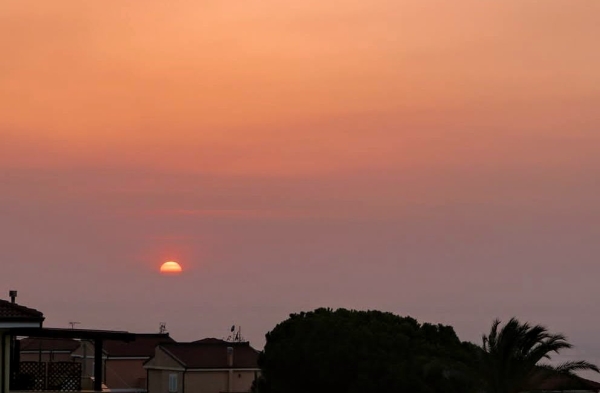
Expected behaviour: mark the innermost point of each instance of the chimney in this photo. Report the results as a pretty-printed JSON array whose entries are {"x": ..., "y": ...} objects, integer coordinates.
[
  {"x": 229, "y": 356},
  {"x": 13, "y": 296}
]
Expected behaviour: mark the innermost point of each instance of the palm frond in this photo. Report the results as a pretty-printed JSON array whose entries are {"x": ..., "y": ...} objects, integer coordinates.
[
  {"x": 511, "y": 355},
  {"x": 571, "y": 367}
]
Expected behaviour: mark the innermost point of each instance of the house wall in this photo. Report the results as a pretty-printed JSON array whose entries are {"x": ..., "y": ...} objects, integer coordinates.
[
  {"x": 155, "y": 381},
  {"x": 196, "y": 381},
  {"x": 87, "y": 366},
  {"x": 242, "y": 380},
  {"x": 158, "y": 378},
  {"x": 206, "y": 381},
  {"x": 218, "y": 381},
  {"x": 161, "y": 359},
  {"x": 125, "y": 374},
  {"x": 86, "y": 348},
  {"x": 118, "y": 373},
  {"x": 158, "y": 381}
]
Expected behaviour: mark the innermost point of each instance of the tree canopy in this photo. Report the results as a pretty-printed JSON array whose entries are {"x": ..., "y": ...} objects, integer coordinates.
[
  {"x": 346, "y": 351},
  {"x": 514, "y": 358},
  {"x": 361, "y": 351}
]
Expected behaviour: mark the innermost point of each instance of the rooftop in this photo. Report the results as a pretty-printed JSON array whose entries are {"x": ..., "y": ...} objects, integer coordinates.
[
  {"x": 566, "y": 382},
  {"x": 212, "y": 354},
  {"x": 12, "y": 312},
  {"x": 143, "y": 345},
  {"x": 210, "y": 340}
]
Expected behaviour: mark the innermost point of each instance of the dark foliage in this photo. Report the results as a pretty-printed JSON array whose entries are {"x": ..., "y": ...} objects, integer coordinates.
[
  {"x": 513, "y": 358},
  {"x": 362, "y": 351}
]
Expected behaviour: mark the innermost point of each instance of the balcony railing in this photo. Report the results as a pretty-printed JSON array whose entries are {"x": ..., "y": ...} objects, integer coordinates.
[{"x": 47, "y": 376}]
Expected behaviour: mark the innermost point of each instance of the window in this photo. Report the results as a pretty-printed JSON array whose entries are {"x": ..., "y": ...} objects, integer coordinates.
[{"x": 172, "y": 383}]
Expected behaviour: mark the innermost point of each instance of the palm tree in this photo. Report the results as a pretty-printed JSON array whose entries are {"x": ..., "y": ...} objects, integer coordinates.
[{"x": 511, "y": 358}]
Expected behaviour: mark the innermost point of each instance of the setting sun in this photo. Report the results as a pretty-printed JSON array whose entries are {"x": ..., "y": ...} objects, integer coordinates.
[{"x": 171, "y": 267}]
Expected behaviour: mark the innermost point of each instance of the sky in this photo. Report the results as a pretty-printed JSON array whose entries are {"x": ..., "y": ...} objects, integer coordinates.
[{"x": 432, "y": 158}]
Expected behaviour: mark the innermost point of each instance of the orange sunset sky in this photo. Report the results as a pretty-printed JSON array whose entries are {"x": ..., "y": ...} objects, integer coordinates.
[{"x": 427, "y": 157}]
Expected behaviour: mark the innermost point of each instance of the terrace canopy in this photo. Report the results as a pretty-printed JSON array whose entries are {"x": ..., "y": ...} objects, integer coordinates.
[
  {"x": 97, "y": 336},
  {"x": 17, "y": 320}
]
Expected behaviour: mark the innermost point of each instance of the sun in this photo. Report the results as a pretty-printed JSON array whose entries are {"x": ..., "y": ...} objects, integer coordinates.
[{"x": 171, "y": 267}]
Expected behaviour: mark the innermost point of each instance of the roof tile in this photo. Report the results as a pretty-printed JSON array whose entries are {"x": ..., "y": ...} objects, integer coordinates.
[
  {"x": 212, "y": 354},
  {"x": 12, "y": 311},
  {"x": 142, "y": 346},
  {"x": 566, "y": 382}
]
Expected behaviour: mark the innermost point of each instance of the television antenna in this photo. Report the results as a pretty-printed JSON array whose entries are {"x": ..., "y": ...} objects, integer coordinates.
[
  {"x": 235, "y": 336},
  {"x": 163, "y": 328},
  {"x": 73, "y": 323}
]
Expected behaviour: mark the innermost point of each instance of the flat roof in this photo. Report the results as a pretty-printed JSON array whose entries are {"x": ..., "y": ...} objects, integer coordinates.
[{"x": 74, "y": 333}]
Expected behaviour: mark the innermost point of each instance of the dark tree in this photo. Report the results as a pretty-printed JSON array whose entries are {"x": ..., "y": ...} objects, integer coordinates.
[
  {"x": 361, "y": 351},
  {"x": 512, "y": 358}
]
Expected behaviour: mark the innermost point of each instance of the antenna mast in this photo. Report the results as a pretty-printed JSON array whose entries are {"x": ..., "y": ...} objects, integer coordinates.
[
  {"x": 236, "y": 336},
  {"x": 73, "y": 323}
]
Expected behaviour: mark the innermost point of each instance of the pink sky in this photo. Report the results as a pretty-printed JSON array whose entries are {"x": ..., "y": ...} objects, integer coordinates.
[{"x": 432, "y": 158}]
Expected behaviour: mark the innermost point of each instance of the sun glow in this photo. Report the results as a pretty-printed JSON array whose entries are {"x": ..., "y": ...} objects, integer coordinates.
[{"x": 171, "y": 267}]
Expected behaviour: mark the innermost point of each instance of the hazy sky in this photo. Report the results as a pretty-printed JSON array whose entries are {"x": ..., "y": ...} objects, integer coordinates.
[{"x": 439, "y": 159}]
